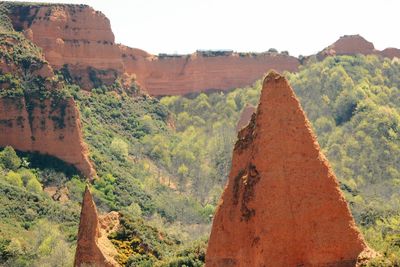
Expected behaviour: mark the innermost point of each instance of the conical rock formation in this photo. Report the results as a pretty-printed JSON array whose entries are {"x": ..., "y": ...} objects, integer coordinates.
[
  {"x": 93, "y": 247},
  {"x": 282, "y": 206}
]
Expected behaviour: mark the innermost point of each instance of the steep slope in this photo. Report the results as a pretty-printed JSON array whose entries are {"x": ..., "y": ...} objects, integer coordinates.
[{"x": 282, "y": 205}]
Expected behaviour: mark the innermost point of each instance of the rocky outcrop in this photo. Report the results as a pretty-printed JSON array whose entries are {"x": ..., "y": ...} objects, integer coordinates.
[
  {"x": 356, "y": 44},
  {"x": 390, "y": 52},
  {"x": 74, "y": 38},
  {"x": 93, "y": 247},
  {"x": 57, "y": 194},
  {"x": 282, "y": 205},
  {"x": 349, "y": 45},
  {"x": 245, "y": 117},
  {"x": 46, "y": 126},
  {"x": 68, "y": 33}
]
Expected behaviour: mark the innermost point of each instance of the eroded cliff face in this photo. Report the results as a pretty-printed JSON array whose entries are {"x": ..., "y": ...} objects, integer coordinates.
[
  {"x": 76, "y": 36},
  {"x": 93, "y": 247},
  {"x": 282, "y": 205},
  {"x": 78, "y": 40},
  {"x": 69, "y": 34},
  {"x": 47, "y": 126},
  {"x": 180, "y": 75}
]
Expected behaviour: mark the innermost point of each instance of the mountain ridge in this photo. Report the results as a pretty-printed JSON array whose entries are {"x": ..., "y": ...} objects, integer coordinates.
[{"x": 79, "y": 41}]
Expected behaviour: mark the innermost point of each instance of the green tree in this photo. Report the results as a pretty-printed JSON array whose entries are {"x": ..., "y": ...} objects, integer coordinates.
[
  {"x": 10, "y": 159},
  {"x": 27, "y": 175},
  {"x": 183, "y": 172},
  {"x": 119, "y": 148},
  {"x": 14, "y": 178},
  {"x": 134, "y": 210},
  {"x": 34, "y": 186}
]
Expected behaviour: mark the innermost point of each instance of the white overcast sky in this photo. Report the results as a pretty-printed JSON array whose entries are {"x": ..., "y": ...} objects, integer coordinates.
[{"x": 299, "y": 26}]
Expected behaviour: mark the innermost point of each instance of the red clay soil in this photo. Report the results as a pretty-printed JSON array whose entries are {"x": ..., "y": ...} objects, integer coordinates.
[
  {"x": 89, "y": 250},
  {"x": 282, "y": 205}
]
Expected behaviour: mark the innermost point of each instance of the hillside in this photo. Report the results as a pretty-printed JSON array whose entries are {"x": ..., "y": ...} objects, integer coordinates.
[
  {"x": 352, "y": 103},
  {"x": 43, "y": 182},
  {"x": 134, "y": 148},
  {"x": 195, "y": 154}
]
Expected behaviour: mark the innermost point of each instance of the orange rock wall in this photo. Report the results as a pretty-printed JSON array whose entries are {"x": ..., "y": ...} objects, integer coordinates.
[
  {"x": 73, "y": 35},
  {"x": 46, "y": 127},
  {"x": 194, "y": 73},
  {"x": 70, "y": 34},
  {"x": 282, "y": 205}
]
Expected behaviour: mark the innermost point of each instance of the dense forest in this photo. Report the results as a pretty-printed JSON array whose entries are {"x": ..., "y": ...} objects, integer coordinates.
[{"x": 163, "y": 163}]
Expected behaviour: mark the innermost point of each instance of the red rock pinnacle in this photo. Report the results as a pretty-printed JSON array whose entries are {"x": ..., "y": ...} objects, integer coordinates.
[
  {"x": 282, "y": 206},
  {"x": 92, "y": 248}
]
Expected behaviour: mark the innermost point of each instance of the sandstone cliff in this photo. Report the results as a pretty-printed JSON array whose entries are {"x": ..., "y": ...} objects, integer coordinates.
[
  {"x": 76, "y": 36},
  {"x": 35, "y": 114},
  {"x": 49, "y": 127},
  {"x": 78, "y": 40},
  {"x": 69, "y": 34},
  {"x": 282, "y": 205},
  {"x": 179, "y": 75},
  {"x": 93, "y": 247}
]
